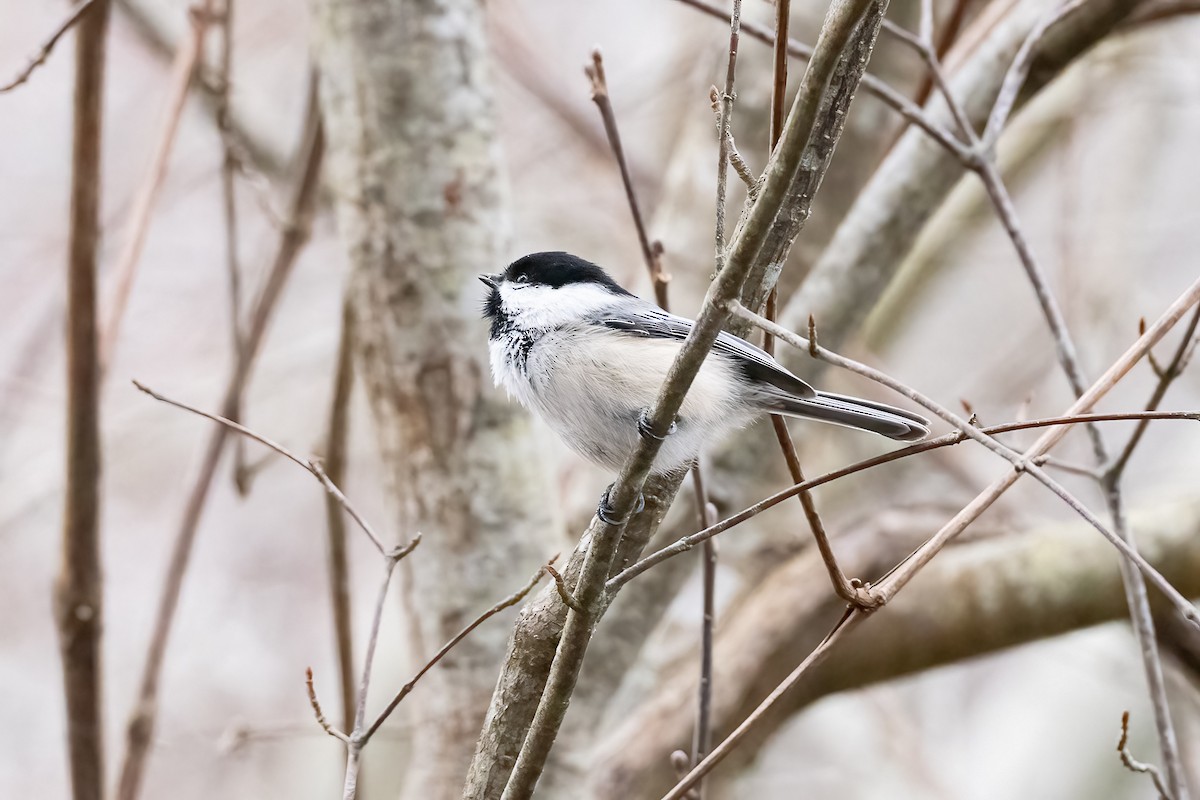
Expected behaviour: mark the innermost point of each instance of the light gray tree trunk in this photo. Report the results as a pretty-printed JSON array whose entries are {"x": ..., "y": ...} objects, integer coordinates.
[{"x": 415, "y": 172}]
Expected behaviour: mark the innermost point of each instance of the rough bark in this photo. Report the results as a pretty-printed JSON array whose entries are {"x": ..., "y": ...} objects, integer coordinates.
[
  {"x": 77, "y": 591},
  {"x": 918, "y": 174},
  {"x": 415, "y": 171},
  {"x": 976, "y": 599}
]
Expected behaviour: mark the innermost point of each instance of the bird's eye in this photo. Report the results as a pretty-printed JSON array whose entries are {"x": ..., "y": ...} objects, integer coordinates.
[{"x": 522, "y": 278}]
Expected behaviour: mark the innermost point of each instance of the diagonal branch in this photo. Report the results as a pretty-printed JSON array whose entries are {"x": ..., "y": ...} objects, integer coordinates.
[
  {"x": 903, "y": 573},
  {"x": 47, "y": 47},
  {"x": 743, "y": 257}
]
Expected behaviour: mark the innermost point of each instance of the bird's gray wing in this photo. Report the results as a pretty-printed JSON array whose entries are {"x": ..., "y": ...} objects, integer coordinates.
[{"x": 755, "y": 363}]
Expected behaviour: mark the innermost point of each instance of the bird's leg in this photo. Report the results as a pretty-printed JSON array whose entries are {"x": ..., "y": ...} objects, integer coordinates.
[{"x": 605, "y": 510}]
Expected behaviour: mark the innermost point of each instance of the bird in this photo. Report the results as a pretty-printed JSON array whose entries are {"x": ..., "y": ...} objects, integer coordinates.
[{"x": 589, "y": 357}]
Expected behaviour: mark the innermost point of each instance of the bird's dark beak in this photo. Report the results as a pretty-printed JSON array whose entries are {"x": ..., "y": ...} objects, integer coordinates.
[{"x": 490, "y": 280}]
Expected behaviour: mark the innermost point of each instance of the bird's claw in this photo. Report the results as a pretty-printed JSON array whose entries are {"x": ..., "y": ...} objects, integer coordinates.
[
  {"x": 605, "y": 510},
  {"x": 647, "y": 432}
]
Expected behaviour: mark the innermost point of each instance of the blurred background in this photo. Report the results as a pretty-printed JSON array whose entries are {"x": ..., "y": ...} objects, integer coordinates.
[{"x": 1103, "y": 167}]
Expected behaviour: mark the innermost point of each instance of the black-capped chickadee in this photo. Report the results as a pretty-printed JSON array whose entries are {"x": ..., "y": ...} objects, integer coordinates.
[{"x": 572, "y": 345}]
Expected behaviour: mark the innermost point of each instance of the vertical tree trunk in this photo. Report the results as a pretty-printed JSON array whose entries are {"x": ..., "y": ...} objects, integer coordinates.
[{"x": 415, "y": 171}]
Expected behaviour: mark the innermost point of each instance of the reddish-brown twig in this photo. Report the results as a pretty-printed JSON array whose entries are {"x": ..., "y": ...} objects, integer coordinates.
[{"x": 652, "y": 252}]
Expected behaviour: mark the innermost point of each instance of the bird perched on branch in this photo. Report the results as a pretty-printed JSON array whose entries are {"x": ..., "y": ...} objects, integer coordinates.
[{"x": 589, "y": 357}]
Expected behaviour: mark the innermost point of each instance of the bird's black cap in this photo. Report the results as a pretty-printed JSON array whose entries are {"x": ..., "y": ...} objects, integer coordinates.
[{"x": 558, "y": 269}]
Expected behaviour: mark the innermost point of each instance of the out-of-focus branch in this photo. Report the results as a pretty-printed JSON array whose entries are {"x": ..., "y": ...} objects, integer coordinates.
[
  {"x": 917, "y": 175},
  {"x": 336, "y": 440},
  {"x": 78, "y": 589},
  {"x": 1008, "y": 590},
  {"x": 47, "y": 47},
  {"x": 140, "y": 727},
  {"x": 183, "y": 69},
  {"x": 983, "y": 163},
  {"x": 262, "y": 150}
]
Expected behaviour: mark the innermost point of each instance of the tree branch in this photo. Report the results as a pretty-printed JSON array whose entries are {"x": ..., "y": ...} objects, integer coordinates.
[
  {"x": 47, "y": 47},
  {"x": 140, "y": 727},
  {"x": 78, "y": 588}
]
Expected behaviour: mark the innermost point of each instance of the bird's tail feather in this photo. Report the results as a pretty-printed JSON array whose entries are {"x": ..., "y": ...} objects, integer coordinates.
[{"x": 853, "y": 412}]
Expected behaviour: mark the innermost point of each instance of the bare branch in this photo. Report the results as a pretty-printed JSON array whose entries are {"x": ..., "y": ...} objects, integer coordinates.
[
  {"x": 316, "y": 707},
  {"x": 948, "y": 440},
  {"x": 47, "y": 47},
  {"x": 871, "y": 83},
  {"x": 182, "y": 71},
  {"x": 1133, "y": 765},
  {"x": 140, "y": 727},
  {"x": 1018, "y": 71},
  {"x": 563, "y": 592},
  {"x": 310, "y": 465},
  {"x": 1022, "y": 462},
  {"x": 337, "y": 433},
  {"x": 78, "y": 588},
  {"x": 507, "y": 602},
  {"x": 651, "y": 251}
]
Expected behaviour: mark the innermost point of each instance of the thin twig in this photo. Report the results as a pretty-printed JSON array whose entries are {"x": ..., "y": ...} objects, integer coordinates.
[
  {"x": 904, "y": 573},
  {"x": 779, "y": 71},
  {"x": 850, "y": 618},
  {"x": 47, "y": 47},
  {"x": 725, "y": 145},
  {"x": 1067, "y": 466},
  {"x": 79, "y": 586},
  {"x": 563, "y": 592},
  {"x": 1018, "y": 71},
  {"x": 702, "y": 740},
  {"x": 310, "y": 465},
  {"x": 981, "y": 160},
  {"x": 1022, "y": 462},
  {"x": 1133, "y": 765},
  {"x": 947, "y": 440},
  {"x": 229, "y": 167},
  {"x": 651, "y": 251},
  {"x": 316, "y": 707},
  {"x": 140, "y": 727},
  {"x": 182, "y": 71},
  {"x": 845, "y": 589},
  {"x": 507, "y": 602},
  {"x": 1166, "y": 377},
  {"x": 871, "y": 83}
]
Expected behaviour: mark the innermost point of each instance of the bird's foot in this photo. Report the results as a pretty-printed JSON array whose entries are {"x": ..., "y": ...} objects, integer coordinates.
[
  {"x": 607, "y": 514},
  {"x": 643, "y": 426}
]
